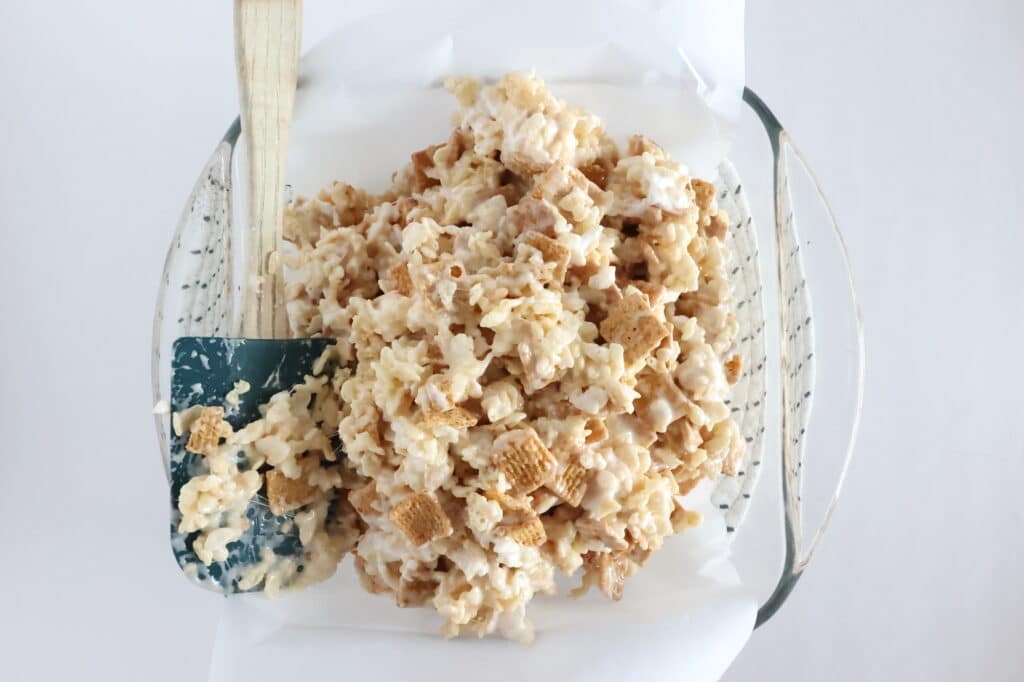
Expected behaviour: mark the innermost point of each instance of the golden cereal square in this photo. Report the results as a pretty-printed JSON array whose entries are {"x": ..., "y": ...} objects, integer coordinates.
[
  {"x": 529, "y": 533},
  {"x": 456, "y": 417},
  {"x": 552, "y": 251},
  {"x": 631, "y": 324},
  {"x": 571, "y": 482},
  {"x": 420, "y": 517},
  {"x": 288, "y": 494},
  {"x": 524, "y": 459},
  {"x": 206, "y": 431}
]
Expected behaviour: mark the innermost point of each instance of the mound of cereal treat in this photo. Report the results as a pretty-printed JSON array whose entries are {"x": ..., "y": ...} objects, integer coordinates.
[{"x": 533, "y": 357}]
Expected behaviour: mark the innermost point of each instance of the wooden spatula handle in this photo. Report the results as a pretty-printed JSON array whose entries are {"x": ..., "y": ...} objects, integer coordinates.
[{"x": 268, "y": 36}]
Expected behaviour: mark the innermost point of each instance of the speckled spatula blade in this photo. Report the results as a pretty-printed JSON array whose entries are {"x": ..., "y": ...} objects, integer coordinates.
[{"x": 203, "y": 370}]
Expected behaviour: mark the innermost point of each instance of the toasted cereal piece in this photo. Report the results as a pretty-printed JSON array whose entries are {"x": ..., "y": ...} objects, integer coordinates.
[
  {"x": 519, "y": 521},
  {"x": 288, "y": 494},
  {"x": 612, "y": 569},
  {"x": 420, "y": 517},
  {"x": 207, "y": 430},
  {"x": 454, "y": 508},
  {"x": 510, "y": 504},
  {"x": 456, "y": 418},
  {"x": 585, "y": 272},
  {"x": 422, "y": 161},
  {"x": 718, "y": 227},
  {"x": 448, "y": 153},
  {"x": 570, "y": 482},
  {"x": 661, "y": 401},
  {"x": 597, "y": 172},
  {"x": 413, "y": 593},
  {"x": 522, "y": 165},
  {"x": 532, "y": 215},
  {"x": 404, "y": 206},
  {"x": 597, "y": 431},
  {"x": 529, "y": 533},
  {"x": 651, "y": 215},
  {"x": 733, "y": 368},
  {"x": 544, "y": 500},
  {"x": 371, "y": 583},
  {"x": 704, "y": 193},
  {"x": 524, "y": 459},
  {"x": 399, "y": 276},
  {"x": 683, "y": 436},
  {"x": 512, "y": 193},
  {"x": 560, "y": 180},
  {"x": 362, "y": 499},
  {"x": 552, "y": 251},
  {"x": 651, "y": 290},
  {"x": 631, "y": 324}
]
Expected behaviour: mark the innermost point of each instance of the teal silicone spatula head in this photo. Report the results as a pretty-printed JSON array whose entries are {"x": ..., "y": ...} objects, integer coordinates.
[{"x": 205, "y": 369}]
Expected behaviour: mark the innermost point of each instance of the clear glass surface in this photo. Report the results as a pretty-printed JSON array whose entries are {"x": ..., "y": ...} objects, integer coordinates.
[{"x": 797, "y": 403}]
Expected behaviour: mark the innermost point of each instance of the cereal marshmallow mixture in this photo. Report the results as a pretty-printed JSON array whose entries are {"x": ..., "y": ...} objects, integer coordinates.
[{"x": 532, "y": 362}]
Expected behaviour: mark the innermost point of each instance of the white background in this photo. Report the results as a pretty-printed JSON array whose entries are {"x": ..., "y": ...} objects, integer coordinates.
[{"x": 910, "y": 113}]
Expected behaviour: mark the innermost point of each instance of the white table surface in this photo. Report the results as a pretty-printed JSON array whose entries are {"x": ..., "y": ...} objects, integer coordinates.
[{"x": 910, "y": 114}]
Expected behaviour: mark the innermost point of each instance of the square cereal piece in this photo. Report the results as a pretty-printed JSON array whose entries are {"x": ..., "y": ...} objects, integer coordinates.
[
  {"x": 524, "y": 459},
  {"x": 420, "y": 517},
  {"x": 519, "y": 521},
  {"x": 631, "y": 323},
  {"x": 207, "y": 430},
  {"x": 552, "y": 251},
  {"x": 570, "y": 483},
  {"x": 456, "y": 418},
  {"x": 529, "y": 533},
  {"x": 288, "y": 494}
]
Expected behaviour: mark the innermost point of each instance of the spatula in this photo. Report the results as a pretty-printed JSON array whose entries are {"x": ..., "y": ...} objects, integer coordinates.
[{"x": 205, "y": 369}]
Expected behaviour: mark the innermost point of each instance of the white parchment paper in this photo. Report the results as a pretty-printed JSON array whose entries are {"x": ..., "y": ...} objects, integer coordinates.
[
  {"x": 368, "y": 97},
  {"x": 684, "y": 617}
]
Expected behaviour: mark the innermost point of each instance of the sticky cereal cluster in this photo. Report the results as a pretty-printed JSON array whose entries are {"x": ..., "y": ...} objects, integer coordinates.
[{"x": 532, "y": 362}]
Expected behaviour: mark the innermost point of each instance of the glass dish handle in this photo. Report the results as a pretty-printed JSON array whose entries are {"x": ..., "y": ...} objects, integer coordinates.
[{"x": 828, "y": 339}]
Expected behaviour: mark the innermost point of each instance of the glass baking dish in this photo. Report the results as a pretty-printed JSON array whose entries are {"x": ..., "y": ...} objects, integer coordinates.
[{"x": 799, "y": 332}]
